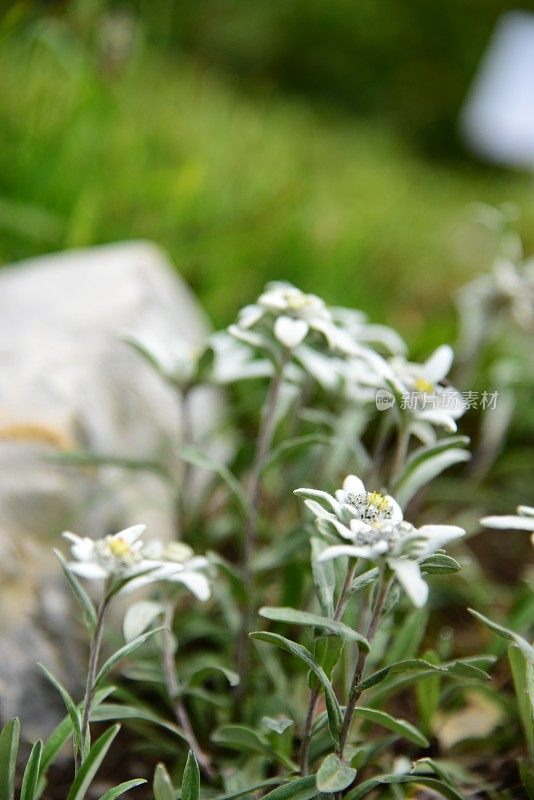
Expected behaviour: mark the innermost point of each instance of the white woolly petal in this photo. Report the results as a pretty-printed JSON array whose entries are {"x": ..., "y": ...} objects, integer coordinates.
[
  {"x": 343, "y": 530},
  {"x": 249, "y": 315},
  {"x": 423, "y": 431},
  {"x": 319, "y": 496},
  {"x": 129, "y": 535},
  {"x": 509, "y": 523},
  {"x": 382, "y": 334},
  {"x": 321, "y": 367},
  {"x": 291, "y": 332},
  {"x": 88, "y": 569},
  {"x": 437, "y": 536},
  {"x": 197, "y": 562},
  {"x": 353, "y": 485},
  {"x": 197, "y": 583},
  {"x": 440, "y": 418},
  {"x": 338, "y": 550},
  {"x": 83, "y": 549},
  {"x": 409, "y": 576},
  {"x": 439, "y": 363},
  {"x": 525, "y": 511},
  {"x": 275, "y": 299},
  {"x": 396, "y": 515},
  {"x": 249, "y": 337},
  {"x": 318, "y": 510},
  {"x": 359, "y": 526},
  {"x": 337, "y": 338},
  {"x": 72, "y": 537}
]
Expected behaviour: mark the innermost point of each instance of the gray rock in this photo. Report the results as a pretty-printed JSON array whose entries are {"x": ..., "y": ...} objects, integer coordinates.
[{"x": 69, "y": 382}]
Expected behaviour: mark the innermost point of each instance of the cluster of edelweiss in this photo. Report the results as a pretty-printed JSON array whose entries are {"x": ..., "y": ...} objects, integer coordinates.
[
  {"x": 124, "y": 558},
  {"x": 344, "y": 353},
  {"x": 338, "y": 348},
  {"x": 371, "y": 527}
]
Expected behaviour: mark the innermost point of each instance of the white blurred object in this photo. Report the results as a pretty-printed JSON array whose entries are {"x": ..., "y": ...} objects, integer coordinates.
[
  {"x": 497, "y": 120},
  {"x": 68, "y": 382}
]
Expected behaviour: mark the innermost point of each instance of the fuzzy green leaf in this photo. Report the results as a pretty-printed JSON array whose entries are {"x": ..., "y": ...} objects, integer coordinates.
[
  {"x": 72, "y": 709},
  {"x": 191, "y": 779},
  {"x": 106, "y": 712},
  {"x": 92, "y": 763},
  {"x": 162, "y": 786},
  {"x": 426, "y": 463},
  {"x": 304, "y": 655},
  {"x": 82, "y": 598},
  {"x": 300, "y": 789},
  {"x": 506, "y": 633},
  {"x": 324, "y": 578},
  {"x": 400, "y": 726},
  {"x": 243, "y": 737},
  {"x": 413, "y": 665},
  {"x": 333, "y": 775},
  {"x": 123, "y": 652},
  {"x": 294, "y": 617},
  {"x": 112, "y": 794},
  {"x": 9, "y": 747},
  {"x": 439, "y": 564},
  {"x": 139, "y": 617},
  {"x": 31, "y": 773},
  {"x": 523, "y": 676},
  {"x": 437, "y": 786}
]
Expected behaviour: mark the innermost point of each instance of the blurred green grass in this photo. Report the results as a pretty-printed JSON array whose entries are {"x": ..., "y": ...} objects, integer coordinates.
[{"x": 238, "y": 190}]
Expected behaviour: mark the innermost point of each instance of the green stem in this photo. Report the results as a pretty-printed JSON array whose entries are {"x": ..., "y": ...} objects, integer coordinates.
[
  {"x": 173, "y": 687},
  {"x": 94, "y": 653},
  {"x": 355, "y": 690},
  {"x": 263, "y": 446},
  {"x": 343, "y": 599},
  {"x": 401, "y": 451}
]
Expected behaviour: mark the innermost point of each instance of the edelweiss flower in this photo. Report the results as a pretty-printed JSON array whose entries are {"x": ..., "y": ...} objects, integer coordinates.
[
  {"x": 381, "y": 337},
  {"x": 506, "y": 293},
  {"x": 424, "y": 397},
  {"x": 124, "y": 556},
  {"x": 174, "y": 562},
  {"x": 352, "y": 504},
  {"x": 523, "y": 521},
  {"x": 292, "y": 315},
  {"x": 118, "y": 555},
  {"x": 374, "y": 525}
]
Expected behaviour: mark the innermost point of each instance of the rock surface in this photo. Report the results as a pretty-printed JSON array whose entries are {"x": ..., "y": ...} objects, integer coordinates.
[{"x": 69, "y": 382}]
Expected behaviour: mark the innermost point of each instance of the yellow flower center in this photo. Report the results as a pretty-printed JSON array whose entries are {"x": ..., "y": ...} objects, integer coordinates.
[
  {"x": 295, "y": 303},
  {"x": 422, "y": 385},
  {"x": 378, "y": 501},
  {"x": 118, "y": 547}
]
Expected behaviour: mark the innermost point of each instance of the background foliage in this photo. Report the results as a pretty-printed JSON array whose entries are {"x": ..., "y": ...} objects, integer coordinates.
[{"x": 120, "y": 125}]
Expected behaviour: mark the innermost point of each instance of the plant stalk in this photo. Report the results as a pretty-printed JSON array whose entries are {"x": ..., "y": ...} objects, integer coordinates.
[
  {"x": 355, "y": 690},
  {"x": 401, "y": 451},
  {"x": 341, "y": 605},
  {"x": 263, "y": 446},
  {"x": 94, "y": 653},
  {"x": 174, "y": 691}
]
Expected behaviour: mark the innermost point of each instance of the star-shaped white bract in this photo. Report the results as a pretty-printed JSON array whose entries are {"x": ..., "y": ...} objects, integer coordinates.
[
  {"x": 352, "y": 505},
  {"x": 112, "y": 556},
  {"x": 428, "y": 402},
  {"x": 174, "y": 562},
  {"x": 124, "y": 557},
  {"x": 372, "y": 527},
  {"x": 290, "y": 315},
  {"x": 522, "y": 521}
]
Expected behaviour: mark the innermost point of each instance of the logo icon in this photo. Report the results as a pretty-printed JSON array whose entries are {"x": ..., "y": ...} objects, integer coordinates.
[{"x": 384, "y": 400}]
